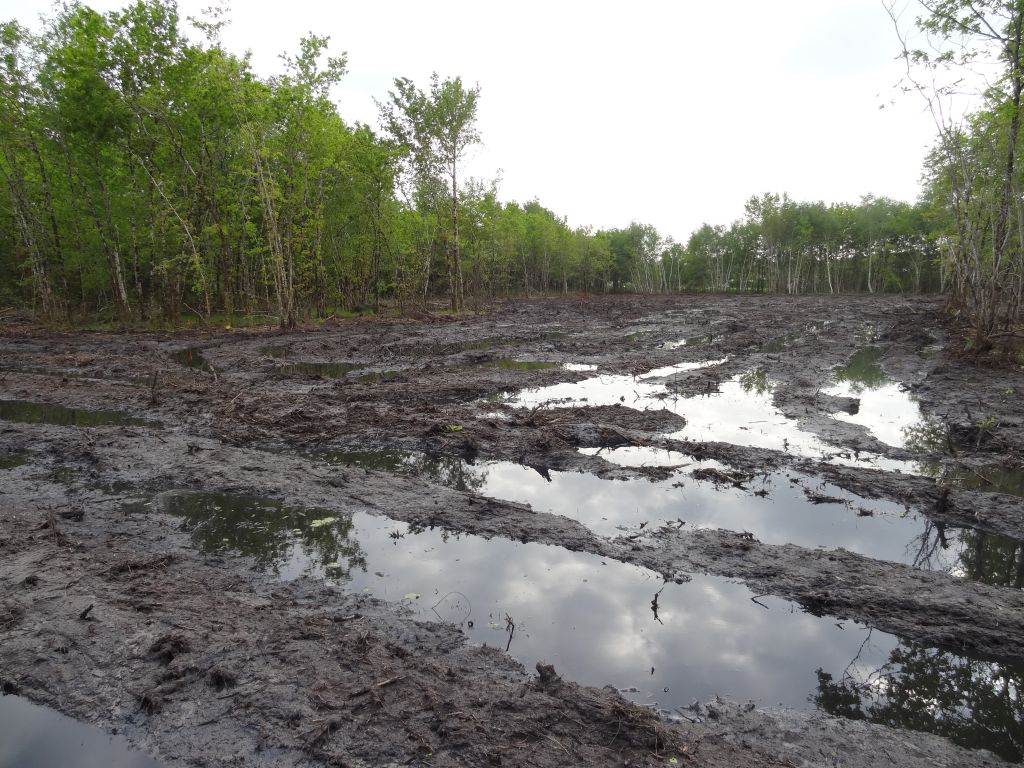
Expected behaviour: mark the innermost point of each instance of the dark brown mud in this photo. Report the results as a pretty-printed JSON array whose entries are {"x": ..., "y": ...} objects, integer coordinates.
[{"x": 199, "y": 659}]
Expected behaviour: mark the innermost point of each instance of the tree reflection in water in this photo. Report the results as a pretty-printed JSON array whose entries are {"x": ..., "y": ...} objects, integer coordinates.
[
  {"x": 451, "y": 471},
  {"x": 984, "y": 557},
  {"x": 976, "y": 704},
  {"x": 864, "y": 371},
  {"x": 266, "y": 530}
]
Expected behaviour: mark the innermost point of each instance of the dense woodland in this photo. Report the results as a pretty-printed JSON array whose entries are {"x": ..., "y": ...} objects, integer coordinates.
[{"x": 147, "y": 175}]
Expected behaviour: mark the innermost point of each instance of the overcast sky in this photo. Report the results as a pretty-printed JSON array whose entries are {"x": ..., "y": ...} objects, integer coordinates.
[{"x": 670, "y": 113}]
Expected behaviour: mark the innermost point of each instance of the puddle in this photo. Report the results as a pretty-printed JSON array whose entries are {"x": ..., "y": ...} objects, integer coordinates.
[
  {"x": 277, "y": 350},
  {"x": 885, "y": 408},
  {"x": 579, "y": 367},
  {"x": 478, "y": 344},
  {"x": 63, "y": 475},
  {"x": 975, "y": 555},
  {"x": 599, "y": 621},
  {"x": 777, "y": 507},
  {"x": 42, "y": 413},
  {"x": 273, "y": 534},
  {"x": 13, "y": 459},
  {"x": 525, "y": 365},
  {"x": 193, "y": 358},
  {"x": 973, "y": 703},
  {"x": 864, "y": 371},
  {"x": 692, "y": 341},
  {"x": 987, "y": 479},
  {"x": 116, "y": 374},
  {"x": 326, "y": 370},
  {"x": 450, "y": 471},
  {"x": 36, "y": 737},
  {"x": 740, "y": 412},
  {"x": 637, "y": 392}
]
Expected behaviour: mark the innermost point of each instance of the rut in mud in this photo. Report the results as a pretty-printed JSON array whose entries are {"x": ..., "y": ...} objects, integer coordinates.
[{"x": 270, "y": 546}]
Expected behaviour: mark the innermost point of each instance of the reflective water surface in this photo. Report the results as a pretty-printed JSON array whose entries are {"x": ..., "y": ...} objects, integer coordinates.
[
  {"x": 524, "y": 365},
  {"x": 776, "y": 507},
  {"x": 28, "y": 412},
  {"x": 36, "y": 737},
  {"x": 740, "y": 411},
  {"x": 326, "y": 370},
  {"x": 13, "y": 459},
  {"x": 600, "y": 621},
  {"x": 193, "y": 358},
  {"x": 885, "y": 407}
]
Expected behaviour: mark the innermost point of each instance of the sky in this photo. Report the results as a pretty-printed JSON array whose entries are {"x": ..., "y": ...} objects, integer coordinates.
[{"x": 667, "y": 113}]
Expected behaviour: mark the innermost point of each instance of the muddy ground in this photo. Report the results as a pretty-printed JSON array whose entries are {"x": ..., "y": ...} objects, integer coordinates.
[{"x": 120, "y": 620}]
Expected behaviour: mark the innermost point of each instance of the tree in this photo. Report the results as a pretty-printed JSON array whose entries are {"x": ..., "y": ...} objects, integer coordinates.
[
  {"x": 435, "y": 131},
  {"x": 975, "y": 163}
]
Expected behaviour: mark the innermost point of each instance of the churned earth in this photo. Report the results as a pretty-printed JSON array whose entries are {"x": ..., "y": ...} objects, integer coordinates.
[{"x": 696, "y": 530}]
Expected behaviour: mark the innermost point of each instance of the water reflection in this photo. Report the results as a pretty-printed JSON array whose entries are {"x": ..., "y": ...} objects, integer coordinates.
[
  {"x": 639, "y": 392},
  {"x": 756, "y": 381},
  {"x": 976, "y": 704},
  {"x": 592, "y": 618},
  {"x": 976, "y": 555},
  {"x": 777, "y": 507},
  {"x": 691, "y": 341},
  {"x": 194, "y": 359},
  {"x": 43, "y": 413},
  {"x": 35, "y": 737},
  {"x": 741, "y": 411},
  {"x": 13, "y": 459},
  {"x": 999, "y": 479},
  {"x": 450, "y": 471},
  {"x": 525, "y": 365},
  {"x": 326, "y": 370},
  {"x": 277, "y": 350},
  {"x": 864, "y": 371},
  {"x": 885, "y": 409},
  {"x": 264, "y": 529}
]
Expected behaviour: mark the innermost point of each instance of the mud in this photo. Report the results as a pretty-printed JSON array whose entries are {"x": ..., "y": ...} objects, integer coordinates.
[{"x": 114, "y": 615}]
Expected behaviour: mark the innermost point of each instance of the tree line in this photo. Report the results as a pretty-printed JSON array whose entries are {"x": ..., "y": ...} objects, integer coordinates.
[{"x": 147, "y": 175}]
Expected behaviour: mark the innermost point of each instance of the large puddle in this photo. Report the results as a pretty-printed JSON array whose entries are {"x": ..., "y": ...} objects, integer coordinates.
[
  {"x": 776, "y": 507},
  {"x": 885, "y": 408},
  {"x": 741, "y": 409},
  {"x": 600, "y": 621},
  {"x": 35, "y": 737},
  {"x": 28, "y": 412}
]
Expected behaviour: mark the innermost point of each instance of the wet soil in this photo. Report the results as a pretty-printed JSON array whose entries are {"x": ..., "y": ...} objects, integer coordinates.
[{"x": 116, "y": 613}]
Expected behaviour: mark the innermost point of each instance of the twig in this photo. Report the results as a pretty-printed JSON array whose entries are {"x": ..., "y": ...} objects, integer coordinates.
[
  {"x": 381, "y": 684},
  {"x": 548, "y": 736}
]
